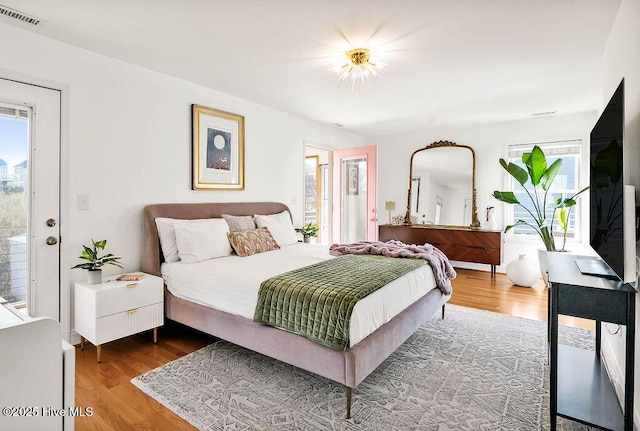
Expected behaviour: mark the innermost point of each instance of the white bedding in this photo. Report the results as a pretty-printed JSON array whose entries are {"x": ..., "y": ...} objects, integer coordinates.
[{"x": 231, "y": 284}]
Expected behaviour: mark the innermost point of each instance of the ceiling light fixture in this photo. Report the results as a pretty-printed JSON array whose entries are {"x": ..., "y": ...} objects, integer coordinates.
[{"x": 359, "y": 66}]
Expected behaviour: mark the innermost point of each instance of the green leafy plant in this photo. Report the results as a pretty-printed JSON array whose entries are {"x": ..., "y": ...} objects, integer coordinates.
[
  {"x": 540, "y": 177},
  {"x": 309, "y": 230},
  {"x": 95, "y": 262},
  {"x": 564, "y": 214}
]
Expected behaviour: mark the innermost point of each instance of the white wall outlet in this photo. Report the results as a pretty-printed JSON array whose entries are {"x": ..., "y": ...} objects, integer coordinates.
[{"x": 83, "y": 202}]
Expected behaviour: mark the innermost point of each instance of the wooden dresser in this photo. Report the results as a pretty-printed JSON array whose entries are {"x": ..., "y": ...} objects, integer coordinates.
[{"x": 460, "y": 244}]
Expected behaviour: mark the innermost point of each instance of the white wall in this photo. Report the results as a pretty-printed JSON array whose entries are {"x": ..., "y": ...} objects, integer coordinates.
[
  {"x": 622, "y": 60},
  {"x": 127, "y": 143},
  {"x": 489, "y": 142}
]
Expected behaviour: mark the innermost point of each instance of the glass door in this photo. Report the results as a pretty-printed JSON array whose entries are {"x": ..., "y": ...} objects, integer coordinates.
[
  {"x": 312, "y": 192},
  {"x": 14, "y": 201},
  {"x": 317, "y": 191},
  {"x": 355, "y": 217},
  {"x": 30, "y": 198}
]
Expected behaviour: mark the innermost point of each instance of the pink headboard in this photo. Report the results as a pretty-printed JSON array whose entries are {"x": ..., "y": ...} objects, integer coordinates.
[{"x": 151, "y": 252}]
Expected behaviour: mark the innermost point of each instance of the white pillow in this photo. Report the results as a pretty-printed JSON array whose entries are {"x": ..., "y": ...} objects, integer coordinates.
[
  {"x": 167, "y": 235},
  {"x": 202, "y": 241},
  {"x": 280, "y": 227}
]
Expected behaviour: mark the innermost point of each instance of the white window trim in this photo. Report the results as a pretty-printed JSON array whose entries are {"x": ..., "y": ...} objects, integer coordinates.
[{"x": 578, "y": 234}]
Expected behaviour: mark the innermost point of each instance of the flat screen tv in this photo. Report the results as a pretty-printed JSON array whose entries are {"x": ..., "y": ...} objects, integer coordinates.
[{"x": 607, "y": 190}]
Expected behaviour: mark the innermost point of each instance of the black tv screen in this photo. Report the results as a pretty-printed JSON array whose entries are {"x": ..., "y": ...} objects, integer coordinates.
[{"x": 607, "y": 186}]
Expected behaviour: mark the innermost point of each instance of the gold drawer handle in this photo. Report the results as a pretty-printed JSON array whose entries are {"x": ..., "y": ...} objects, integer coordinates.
[
  {"x": 132, "y": 285},
  {"x": 133, "y": 310}
]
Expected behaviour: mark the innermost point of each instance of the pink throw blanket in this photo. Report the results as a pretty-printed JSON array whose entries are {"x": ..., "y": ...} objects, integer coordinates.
[{"x": 442, "y": 269}]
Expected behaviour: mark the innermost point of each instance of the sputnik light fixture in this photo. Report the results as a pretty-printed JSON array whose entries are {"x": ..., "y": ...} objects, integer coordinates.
[{"x": 359, "y": 66}]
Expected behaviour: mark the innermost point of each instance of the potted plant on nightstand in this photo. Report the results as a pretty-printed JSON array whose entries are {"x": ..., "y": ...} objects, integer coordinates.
[
  {"x": 94, "y": 263},
  {"x": 308, "y": 231}
]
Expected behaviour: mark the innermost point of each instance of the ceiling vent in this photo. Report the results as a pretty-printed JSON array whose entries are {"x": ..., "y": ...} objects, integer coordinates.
[
  {"x": 544, "y": 114},
  {"x": 15, "y": 14}
]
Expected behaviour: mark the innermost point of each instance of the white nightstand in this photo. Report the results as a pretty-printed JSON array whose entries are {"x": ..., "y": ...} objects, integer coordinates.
[{"x": 115, "y": 309}]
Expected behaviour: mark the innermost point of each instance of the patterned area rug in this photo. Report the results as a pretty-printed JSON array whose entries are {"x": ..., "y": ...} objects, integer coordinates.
[{"x": 474, "y": 370}]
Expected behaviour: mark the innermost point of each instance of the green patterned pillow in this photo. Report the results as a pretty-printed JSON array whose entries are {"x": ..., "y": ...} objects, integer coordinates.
[{"x": 248, "y": 242}]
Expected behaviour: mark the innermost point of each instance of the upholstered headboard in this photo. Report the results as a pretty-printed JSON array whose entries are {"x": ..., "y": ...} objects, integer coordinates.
[{"x": 151, "y": 252}]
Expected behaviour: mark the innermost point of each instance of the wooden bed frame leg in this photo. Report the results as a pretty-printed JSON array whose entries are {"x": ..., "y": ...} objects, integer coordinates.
[
  {"x": 349, "y": 394},
  {"x": 443, "y": 311}
]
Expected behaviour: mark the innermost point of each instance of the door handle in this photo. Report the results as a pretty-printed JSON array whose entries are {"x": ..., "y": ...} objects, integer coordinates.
[
  {"x": 51, "y": 222},
  {"x": 52, "y": 240}
]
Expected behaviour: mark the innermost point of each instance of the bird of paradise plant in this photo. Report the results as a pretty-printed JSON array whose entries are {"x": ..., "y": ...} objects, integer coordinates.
[{"x": 540, "y": 177}]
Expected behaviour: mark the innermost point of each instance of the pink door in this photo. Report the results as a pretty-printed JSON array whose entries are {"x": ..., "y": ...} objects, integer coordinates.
[{"x": 354, "y": 194}]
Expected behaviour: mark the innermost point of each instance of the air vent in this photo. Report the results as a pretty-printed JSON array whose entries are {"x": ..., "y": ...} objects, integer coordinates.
[
  {"x": 544, "y": 114},
  {"x": 13, "y": 113},
  {"x": 15, "y": 14}
]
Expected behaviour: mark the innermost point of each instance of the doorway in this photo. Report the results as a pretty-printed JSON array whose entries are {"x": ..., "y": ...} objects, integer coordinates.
[
  {"x": 30, "y": 198},
  {"x": 317, "y": 191},
  {"x": 340, "y": 193},
  {"x": 354, "y": 194}
]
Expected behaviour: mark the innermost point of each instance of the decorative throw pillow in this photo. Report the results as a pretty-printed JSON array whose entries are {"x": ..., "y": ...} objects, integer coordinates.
[
  {"x": 237, "y": 223},
  {"x": 248, "y": 242},
  {"x": 202, "y": 241},
  {"x": 167, "y": 235},
  {"x": 280, "y": 227}
]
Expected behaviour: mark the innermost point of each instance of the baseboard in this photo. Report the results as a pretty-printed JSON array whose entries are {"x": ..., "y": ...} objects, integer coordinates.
[{"x": 616, "y": 375}]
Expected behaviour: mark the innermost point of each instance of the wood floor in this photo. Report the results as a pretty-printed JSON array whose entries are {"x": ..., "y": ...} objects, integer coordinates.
[
  {"x": 477, "y": 289},
  {"x": 118, "y": 405}
]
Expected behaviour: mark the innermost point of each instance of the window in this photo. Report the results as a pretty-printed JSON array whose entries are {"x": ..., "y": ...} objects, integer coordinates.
[
  {"x": 566, "y": 184},
  {"x": 316, "y": 195},
  {"x": 311, "y": 189}
]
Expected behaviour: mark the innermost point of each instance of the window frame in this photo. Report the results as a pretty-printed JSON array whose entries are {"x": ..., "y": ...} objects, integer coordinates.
[{"x": 551, "y": 149}]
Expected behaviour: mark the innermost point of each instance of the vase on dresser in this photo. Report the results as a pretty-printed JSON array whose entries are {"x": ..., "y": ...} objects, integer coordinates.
[
  {"x": 523, "y": 271},
  {"x": 491, "y": 223}
]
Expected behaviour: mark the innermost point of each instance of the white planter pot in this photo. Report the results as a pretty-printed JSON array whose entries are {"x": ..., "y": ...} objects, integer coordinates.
[
  {"x": 542, "y": 260},
  {"x": 94, "y": 277},
  {"x": 523, "y": 271}
]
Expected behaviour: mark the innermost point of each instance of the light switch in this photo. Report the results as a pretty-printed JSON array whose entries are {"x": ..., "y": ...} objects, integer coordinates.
[{"x": 83, "y": 202}]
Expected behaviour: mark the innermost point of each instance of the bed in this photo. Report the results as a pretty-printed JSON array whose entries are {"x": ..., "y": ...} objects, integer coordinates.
[{"x": 348, "y": 367}]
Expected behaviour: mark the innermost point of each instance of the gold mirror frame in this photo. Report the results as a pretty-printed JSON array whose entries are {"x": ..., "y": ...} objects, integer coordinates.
[{"x": 475, "y": 222}]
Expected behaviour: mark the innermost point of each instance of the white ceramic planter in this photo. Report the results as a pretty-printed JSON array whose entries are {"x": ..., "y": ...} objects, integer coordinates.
[
  {"x": 542, "y": 260},
  {"x": 523, "y": 271},
  {"x": 94, "y": 277}
]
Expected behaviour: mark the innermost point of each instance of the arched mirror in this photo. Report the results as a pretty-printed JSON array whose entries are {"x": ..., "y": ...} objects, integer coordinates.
[{"x": 442, "y": 186}]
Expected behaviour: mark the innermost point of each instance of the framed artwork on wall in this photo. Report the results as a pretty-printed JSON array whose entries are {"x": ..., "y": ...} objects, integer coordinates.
[
  {"x": 218, "y": 149},
  {"x": 352, "y": 182}
]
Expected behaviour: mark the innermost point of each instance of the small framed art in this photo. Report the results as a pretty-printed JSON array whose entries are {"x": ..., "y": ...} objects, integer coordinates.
[
  {"x": 352, "y": 179},
  {"x": 218, "y": 149}
]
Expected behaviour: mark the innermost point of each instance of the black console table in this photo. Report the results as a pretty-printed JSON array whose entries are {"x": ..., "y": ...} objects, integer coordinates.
[{"x": 580, "y": 387}]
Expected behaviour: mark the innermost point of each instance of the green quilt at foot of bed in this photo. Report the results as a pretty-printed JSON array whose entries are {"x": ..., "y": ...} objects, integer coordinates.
[{"x": 317, "y": 301}]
